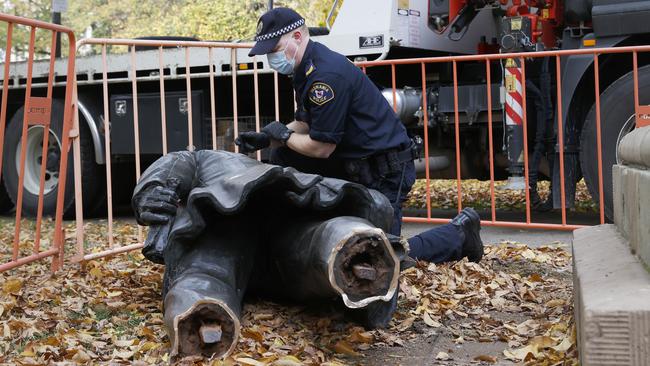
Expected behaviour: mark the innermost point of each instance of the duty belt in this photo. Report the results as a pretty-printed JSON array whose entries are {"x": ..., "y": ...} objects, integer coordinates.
[
  {"x": 367, "y": 170},
  {"x": 392, "y": 161}
]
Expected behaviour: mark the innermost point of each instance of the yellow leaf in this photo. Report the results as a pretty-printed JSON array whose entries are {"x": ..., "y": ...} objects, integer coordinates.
[
  {"x": 523, "y": 353},
  {"x": 148, "y": 346},
  {"x": 12, "y": 286},
  {"x": 96, "y": 272},
  {"x": 147, "y": 332},
  {"x": 28, "y": 351},
  {"x": 442, "y": 356},
  {"x": 249, "y": 361},
  {"x": 287, "y": 361},
  {"x": 252, "y": 334},
  {"x": 406, "y": 324},
  {"x": 345, "y": 348},
  {"x": 564, "y": 345},
  {"x": 430, "y": 322},
  {"x": 114, "y": 293},
  {"x": 542, "y": 342},
  {"x": 554, "y": 303},
  {"x": 81, "y": 356}
]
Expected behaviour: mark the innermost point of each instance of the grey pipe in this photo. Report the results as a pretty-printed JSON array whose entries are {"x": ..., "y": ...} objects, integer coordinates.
[
  {"x": 634, "y": 148},
  {"x": 439, "y": 162}
]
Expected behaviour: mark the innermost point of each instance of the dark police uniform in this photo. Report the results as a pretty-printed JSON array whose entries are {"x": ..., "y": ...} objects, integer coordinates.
[{"x": 343, "y": 107}]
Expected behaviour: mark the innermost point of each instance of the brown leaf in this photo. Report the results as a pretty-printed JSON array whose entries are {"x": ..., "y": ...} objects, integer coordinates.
[
  {"x": 345, "y": 348},
  {"x": 486, "y": 358}
]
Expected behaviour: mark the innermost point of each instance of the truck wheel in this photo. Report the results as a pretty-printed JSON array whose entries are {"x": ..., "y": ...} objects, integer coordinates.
[
  {"x": 91, "y": 172},
  {"x": 617, "y": 109}
]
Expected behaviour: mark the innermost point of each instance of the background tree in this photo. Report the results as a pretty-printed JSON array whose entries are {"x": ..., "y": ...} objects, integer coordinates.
[{"x": 224, "y": 20}]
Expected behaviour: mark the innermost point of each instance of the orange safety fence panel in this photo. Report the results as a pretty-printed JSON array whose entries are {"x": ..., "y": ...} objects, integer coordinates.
[
  {"x": 112, "y": 246},
  {"x": 28, "y": 243},
  {"x": 528, "y": 223}
]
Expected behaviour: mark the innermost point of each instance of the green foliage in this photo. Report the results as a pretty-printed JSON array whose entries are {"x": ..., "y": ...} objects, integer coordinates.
[{"x": 225, "y": 20}]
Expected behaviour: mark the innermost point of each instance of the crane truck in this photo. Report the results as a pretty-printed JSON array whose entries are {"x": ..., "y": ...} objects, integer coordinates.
[{"x": 367, "y": 30}]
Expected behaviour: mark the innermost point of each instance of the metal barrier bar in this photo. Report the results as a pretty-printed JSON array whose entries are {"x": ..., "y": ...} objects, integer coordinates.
[
  {"x": 635, "y": 72},
  {"x": 457, "y": 136},
  {"x": 213, "y": 109},
  {"x": 510, "y": 224},
  {"x": 599, "y": 143},
  {"x": 233, "y": 72},
  {"x": 560, "y": 136},
  {"x": 257, "y": 103},
  {"x": 163, "y": 111},
  {"x": 107, "y": 146},
  {"x": 188, "y": 86},
  {"x": 40, "y": 117},
  {"x": 522, "y": 62},
  {"x": 23, "y": 142},
  {"x": 136, "y": 125},
  {"x": 392, "y": 77},
  {"x": 5, "y": 90},
  {"x": 426, "y": 138},
  {"x": 488, "y": 76}
]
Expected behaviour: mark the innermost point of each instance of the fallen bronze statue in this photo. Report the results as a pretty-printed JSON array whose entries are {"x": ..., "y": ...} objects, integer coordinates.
[{"x": 225, "y": 225}]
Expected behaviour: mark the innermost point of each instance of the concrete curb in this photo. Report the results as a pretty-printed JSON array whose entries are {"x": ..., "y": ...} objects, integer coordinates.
[{"x": 612, "y": 299}]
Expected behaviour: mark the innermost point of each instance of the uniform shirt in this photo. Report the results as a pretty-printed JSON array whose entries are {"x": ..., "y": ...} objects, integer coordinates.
[{"x": 343, "y": 107}]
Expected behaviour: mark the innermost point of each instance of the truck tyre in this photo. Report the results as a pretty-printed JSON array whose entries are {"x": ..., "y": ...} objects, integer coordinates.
[
  {"x": 617, "y": 109},
  {"x": 91, "y": 173}
]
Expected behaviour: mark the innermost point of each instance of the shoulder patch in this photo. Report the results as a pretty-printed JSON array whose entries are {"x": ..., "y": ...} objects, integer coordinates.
[{"x": 320, "y": 93}]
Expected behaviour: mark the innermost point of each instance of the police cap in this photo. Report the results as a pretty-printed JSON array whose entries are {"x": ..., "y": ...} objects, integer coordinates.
[{"x": 271, "y": 26}]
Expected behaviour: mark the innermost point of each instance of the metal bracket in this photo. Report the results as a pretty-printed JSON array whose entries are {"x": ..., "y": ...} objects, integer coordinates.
[{"x": 39, "y": 111}]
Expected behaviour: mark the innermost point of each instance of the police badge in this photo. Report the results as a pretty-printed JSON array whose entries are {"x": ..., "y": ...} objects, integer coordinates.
[{"x": 320, "y": 93}]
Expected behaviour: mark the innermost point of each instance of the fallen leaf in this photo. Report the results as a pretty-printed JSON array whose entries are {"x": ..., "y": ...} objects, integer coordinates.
[
  {"x": 430, "y": 322},
  {"x": 287, "y": 361},
  {"x": 249, "y": 361},
  {"x": 12, "y": 286},
  {"x": 486, "y": 358},
  {"x": 442, "y": 356},
  {"x": 345, "y": 348}
]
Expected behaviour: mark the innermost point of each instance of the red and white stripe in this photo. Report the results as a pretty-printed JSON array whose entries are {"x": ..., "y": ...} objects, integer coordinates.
[{"x": 514, "y": 99}]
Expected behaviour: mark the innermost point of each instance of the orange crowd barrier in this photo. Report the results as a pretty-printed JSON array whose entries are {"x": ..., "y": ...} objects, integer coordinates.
[
  {"x": 487, "y": 59},
  {"x": 111, "y": 247},
  {"x": 38, "y": 113}
]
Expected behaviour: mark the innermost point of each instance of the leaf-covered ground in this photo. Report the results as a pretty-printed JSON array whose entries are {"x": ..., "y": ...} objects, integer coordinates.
[
  {"x": 476, "y": 193},
  {"x": 518, "y": 301}
]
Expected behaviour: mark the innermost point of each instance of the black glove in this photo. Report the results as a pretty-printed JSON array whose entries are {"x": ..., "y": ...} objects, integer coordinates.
[
  {"x": 252, "y": 141},
  {"x": 157, "y": 205},
  {"x": 278, "y": 131}
]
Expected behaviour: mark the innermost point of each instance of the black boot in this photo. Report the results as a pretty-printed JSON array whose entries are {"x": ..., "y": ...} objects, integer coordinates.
[{"x": 468, "y": 224}]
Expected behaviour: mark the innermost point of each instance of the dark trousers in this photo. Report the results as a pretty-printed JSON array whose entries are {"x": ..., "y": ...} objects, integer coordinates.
[
  {"x": 437, "y": 245},
  {"x": 395, "y": 186}
]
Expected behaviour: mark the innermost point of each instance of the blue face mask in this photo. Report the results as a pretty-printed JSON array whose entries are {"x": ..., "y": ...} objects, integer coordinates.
[{"x": 278, "y": 61}]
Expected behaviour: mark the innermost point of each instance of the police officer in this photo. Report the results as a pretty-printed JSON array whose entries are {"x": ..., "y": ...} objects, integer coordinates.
[{"x": 346, "y": 129}]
